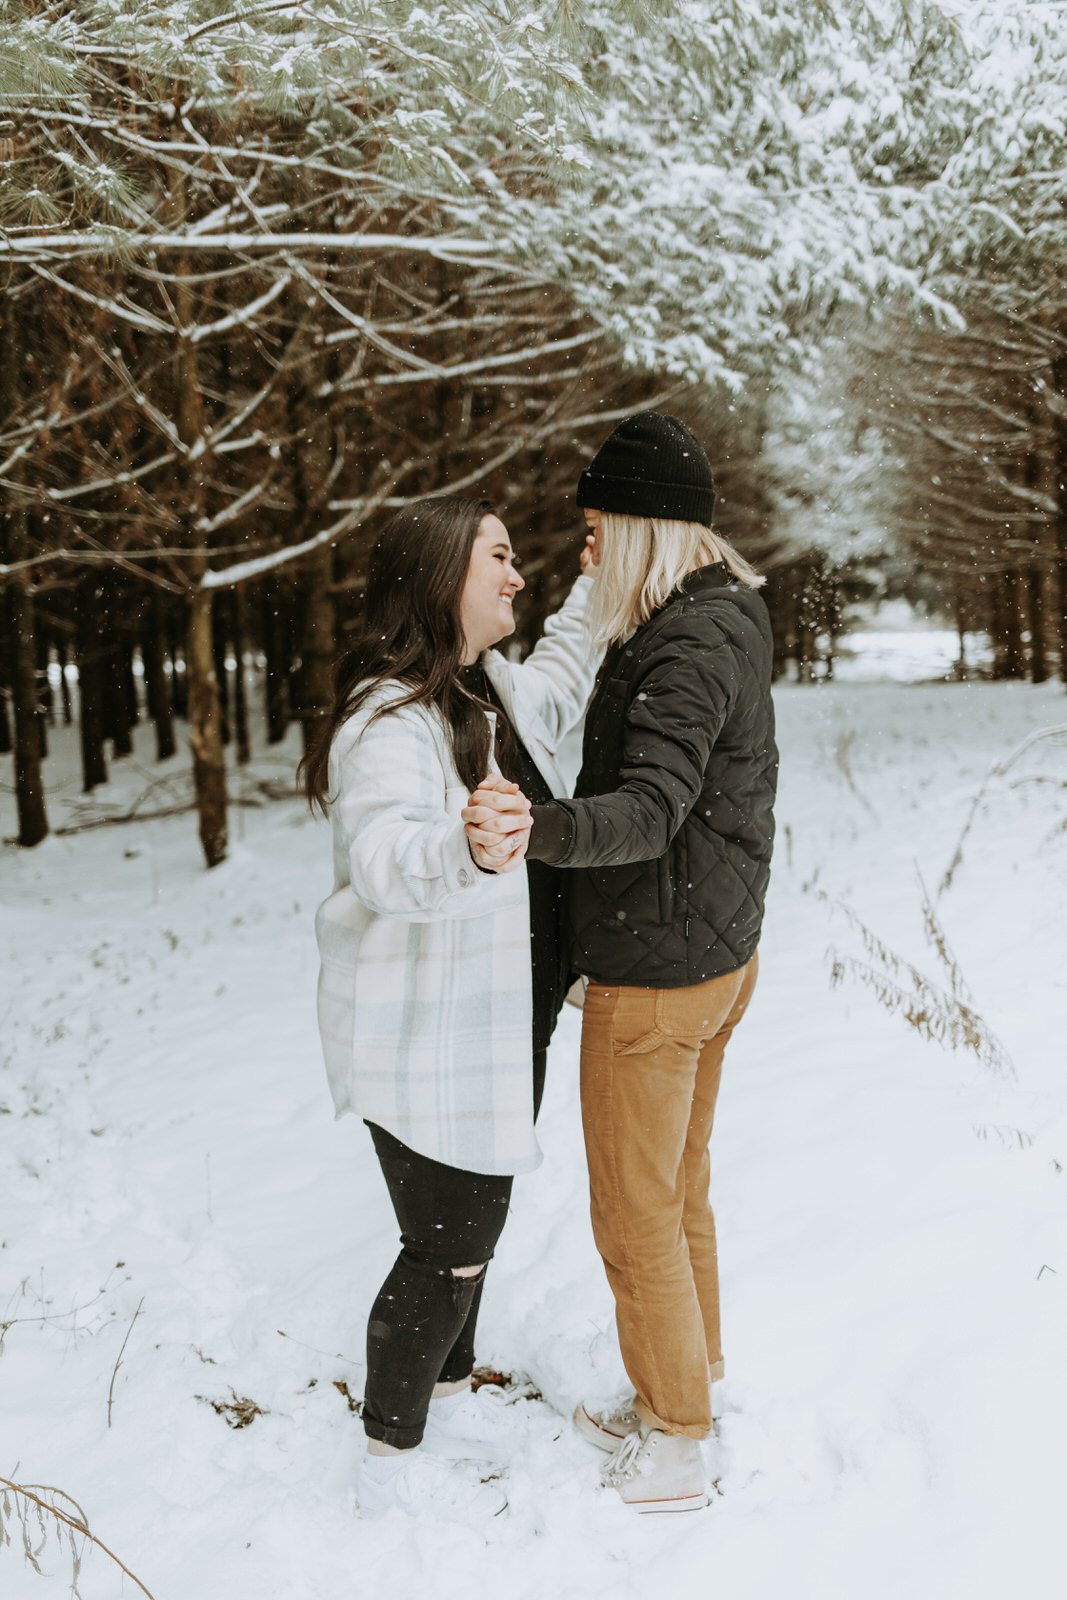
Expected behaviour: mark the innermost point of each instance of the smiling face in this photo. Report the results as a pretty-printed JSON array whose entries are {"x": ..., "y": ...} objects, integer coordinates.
[{"x": 492, "y": 583}]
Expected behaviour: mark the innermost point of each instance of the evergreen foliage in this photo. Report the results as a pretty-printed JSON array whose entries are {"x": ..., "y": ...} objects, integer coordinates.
[{"x": 277, "y": 267}]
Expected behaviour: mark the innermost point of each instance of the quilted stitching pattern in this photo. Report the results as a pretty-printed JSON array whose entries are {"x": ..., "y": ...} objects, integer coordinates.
[{"x": 701, "y": 665}]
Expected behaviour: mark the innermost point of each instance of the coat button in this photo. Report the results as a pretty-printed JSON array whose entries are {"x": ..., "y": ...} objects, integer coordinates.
[{"x": 464, "y": 878}]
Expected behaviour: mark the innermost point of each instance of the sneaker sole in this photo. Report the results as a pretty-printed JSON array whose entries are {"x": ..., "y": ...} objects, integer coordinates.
[
  {"x": 452, "y": 1522},
  {"x": 466, "y": 1450},
  {"x": 591, "y": 1430},
  {"x": 689, "y": 1502}
]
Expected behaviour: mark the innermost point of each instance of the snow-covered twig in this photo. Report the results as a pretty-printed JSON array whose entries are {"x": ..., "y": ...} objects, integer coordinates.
[
  {"x": 135, "y": 317},
  {"x": 98, "y": 241},
  {"x": 241, "y": 318},
  {"x": 225, "y": 577},
  {"x": 248, "y": 14},
  {"x": 112, "y": 557},
  {"x": 459, "y": 369},
  {"x": 235, "y": 509},
  {"x": 97, "y": 484}
]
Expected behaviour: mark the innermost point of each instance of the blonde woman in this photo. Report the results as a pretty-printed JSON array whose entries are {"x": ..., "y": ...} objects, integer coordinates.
[{"x": 669, "y": 841}]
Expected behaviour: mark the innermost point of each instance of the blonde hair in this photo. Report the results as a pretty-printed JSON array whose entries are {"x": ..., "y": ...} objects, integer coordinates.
[{"x": 642, "y": 562}]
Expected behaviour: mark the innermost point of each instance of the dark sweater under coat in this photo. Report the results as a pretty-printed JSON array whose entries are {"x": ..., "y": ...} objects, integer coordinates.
[{"x": 671, "y": 828}]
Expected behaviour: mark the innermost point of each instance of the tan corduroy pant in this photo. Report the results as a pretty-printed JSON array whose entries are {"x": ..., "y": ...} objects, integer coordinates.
[{"x": 651, "y": 1065}]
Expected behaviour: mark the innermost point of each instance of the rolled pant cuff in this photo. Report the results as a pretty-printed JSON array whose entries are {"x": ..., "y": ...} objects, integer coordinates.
[
  {"x": 398, "y": 1438},
  {"x": 683, "y": 1430}
]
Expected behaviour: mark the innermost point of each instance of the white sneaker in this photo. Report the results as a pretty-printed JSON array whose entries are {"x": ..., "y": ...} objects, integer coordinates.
[
  {"x": 608, "y": 1428},
  {"x": 655, "y": 1471},
  {"x": 423, "y": 1487},
  {"x": 476, "y": 1425}
]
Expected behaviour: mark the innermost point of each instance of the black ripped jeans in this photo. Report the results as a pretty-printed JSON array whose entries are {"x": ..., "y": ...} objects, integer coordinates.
[{"x": 421, "y": 1327}]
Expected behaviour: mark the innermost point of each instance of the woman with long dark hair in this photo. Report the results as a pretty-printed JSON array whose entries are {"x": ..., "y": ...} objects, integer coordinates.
[{"x": 434, "y": 1018}]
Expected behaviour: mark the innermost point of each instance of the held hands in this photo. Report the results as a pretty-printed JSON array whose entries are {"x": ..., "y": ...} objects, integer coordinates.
[{"x": 497, "y": 823}]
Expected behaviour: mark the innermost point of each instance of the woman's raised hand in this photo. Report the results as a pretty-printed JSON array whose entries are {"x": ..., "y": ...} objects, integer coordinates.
[
  {"x": 497, "y": 822},
  {"x": 589, "y": 560}
]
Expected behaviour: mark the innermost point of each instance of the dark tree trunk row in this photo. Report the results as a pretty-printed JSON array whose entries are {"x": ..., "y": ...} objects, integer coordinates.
[
  {"x": 18, "y": 614},
  {"x": 805, "y": 604},
  {"x": 1019, "y": 608}
]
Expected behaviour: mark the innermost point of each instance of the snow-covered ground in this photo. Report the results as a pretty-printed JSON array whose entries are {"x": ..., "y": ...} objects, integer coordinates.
[{"x": 891, "y": 1213}]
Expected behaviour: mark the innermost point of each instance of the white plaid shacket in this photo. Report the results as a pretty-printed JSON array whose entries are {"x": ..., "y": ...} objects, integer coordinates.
[{"x": 424, "y": 990}]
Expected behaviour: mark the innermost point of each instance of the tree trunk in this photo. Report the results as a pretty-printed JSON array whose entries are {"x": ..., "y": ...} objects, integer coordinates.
[
  {"x": 276, "y": 653},
  {"x": 314, "y": 622},
  {"x": 240, "y": 698},
  {"x": 63, "y": 653},
  {"x": 46, "y": 716},
  {"x": 1011, "y": 624},
  {"x": 29, "y": 780},
  {"x": 1008, "y": 644},
  {"x": 116, "y": 707},
  {"x": 209, "y": 766},
  {"x": 319, "y": 647},
  {"x": 89, "y": 658},
  {"x": 779, "y": 607},
  {"x": 129, "y": 678},
  {"x": 179, "y": 687},
  {"x": 205, "y": 731},
  {"x": 19, "y": 610},
  {"x": 1059, "y": 436},
  {"x": 805, "y": 637},
  {"x": 1035, "y": 595},
  {"x": 831, "y": 589},
  {"x": 46, "y": 699},
  {"x": 220, "y": 651},
  {"x": 5, "y": 684},
  {"x": 960, "y": 665},
  {"x": 157, "y": 689}
]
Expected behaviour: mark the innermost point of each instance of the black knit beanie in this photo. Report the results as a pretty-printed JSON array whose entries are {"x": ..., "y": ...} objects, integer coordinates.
[{"x": 651, "y": 466}]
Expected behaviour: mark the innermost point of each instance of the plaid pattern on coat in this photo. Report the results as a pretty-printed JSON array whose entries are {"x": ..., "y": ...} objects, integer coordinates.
[{"x": 424, "y": 995}]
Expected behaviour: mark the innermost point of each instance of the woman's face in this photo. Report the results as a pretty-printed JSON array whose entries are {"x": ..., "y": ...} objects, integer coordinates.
[{"x": 492, "y": 583}]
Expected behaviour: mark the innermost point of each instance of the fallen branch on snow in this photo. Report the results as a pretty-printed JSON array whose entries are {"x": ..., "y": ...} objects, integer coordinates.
[{"x": 21, "y": 1503}]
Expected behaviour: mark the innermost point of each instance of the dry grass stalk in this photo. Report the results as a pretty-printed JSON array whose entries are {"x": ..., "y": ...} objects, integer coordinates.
[
  {"x": 118, "y": 1359},
  {"x": 946, "y": 1017},
  {"x": 999, "y": 770},
  {"x": 844, "y": 740},
  {"x": 24, "y": 1505},
  {"x": 936, "y": 938},
  {"x": 1013, "y": 1138}
]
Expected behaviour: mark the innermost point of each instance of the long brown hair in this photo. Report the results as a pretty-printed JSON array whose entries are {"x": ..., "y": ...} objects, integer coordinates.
[{"x": 411, "y": 631}]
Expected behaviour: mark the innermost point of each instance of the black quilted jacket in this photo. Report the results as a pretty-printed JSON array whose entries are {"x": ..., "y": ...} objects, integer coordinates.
[{"x": 671, "y": 827}]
